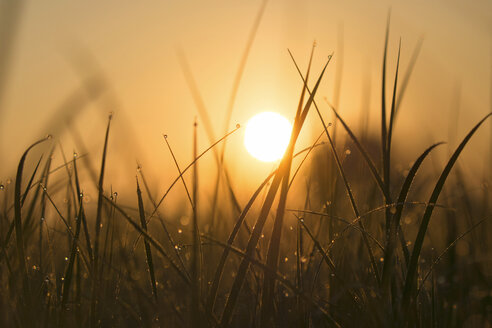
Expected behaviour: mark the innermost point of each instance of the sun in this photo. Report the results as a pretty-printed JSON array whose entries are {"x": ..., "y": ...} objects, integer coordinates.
[{"x": 267, "y": 136}]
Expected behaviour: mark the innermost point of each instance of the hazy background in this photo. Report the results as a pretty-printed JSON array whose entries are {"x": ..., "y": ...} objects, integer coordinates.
[{"x": 57, "y": 45}]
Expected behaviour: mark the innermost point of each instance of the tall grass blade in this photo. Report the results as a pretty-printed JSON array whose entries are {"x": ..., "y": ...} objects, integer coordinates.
[
  {"x": 67, "y": 278},
  {"x": 346, "y": 184},
  {"x": 19, "y": 233},
  {"x": 388, "y": 266},
  {"x": 197, "y": 251},
  {"x": 148, "y": 251},
  {"x": 93, "y": 316},
  {"x": 411, "y": 276},
  {"x": 284, "y": 170}
]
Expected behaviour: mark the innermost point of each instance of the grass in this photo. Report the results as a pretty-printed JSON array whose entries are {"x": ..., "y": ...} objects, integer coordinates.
[{"x": 353, "y": 255}]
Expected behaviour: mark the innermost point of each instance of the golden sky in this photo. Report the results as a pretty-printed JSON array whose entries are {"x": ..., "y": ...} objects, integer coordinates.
[{"x": 58, "y": 44}]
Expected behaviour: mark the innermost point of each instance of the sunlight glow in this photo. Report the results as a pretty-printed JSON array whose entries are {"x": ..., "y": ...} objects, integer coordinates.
[{"x": 267, "y": 136}]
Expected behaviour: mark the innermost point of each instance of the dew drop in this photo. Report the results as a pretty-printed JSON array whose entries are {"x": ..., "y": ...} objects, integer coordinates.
[
  {"x": 347, "y": 152},
  {"x": 49, "y": 136},
  {"x": 180, "y": 231},
  {"x": 115, "y": 194},
  {"x": 165, "y": 136},
  {"x": 66, "y": 258},
  {"x": 286, "y": 259},
  {"x": 238, "y": 126},
  {"x": 2, "y": 187}
]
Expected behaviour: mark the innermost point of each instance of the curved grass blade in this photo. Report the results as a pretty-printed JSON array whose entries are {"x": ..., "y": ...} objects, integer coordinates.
[
  {"x": 30, "y": 181},
  {"x": 19, "y": 231},
  {"x": 410, "y": 280},
  {"x": 395, "y": 223}
]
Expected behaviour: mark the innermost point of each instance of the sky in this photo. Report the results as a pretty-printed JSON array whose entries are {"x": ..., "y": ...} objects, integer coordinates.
[{"x": 133, "y": 47}]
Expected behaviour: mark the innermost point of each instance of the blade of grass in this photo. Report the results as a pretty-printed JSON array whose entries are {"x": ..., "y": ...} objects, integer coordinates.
[
  {"x": 384, "y": 133},
  {"x": 26, "y": 290},
  {"x": 390, "y": 246},
  {"x": 69, "y": 270},
  {"x": 179, "y": 171},
  {"x": 345, "y": 181},
  {"x": 148, "y": 251},
  {"x": 197, "y": 250},
  {"x": 408, "y": 74},
  {"x": 410, "y": 280},
  {"x": 82, "y": 214},
  {"x": 94, "y": 296},
  {"x": 274, "y": 246},
  {"x": 30, "y": 181}
]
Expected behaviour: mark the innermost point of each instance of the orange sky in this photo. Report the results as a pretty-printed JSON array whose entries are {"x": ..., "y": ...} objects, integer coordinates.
[{"x": 135, "y": 45}]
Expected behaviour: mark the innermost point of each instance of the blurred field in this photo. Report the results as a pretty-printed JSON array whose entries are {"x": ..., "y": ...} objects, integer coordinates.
[{"x": 377, "y": 216}]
